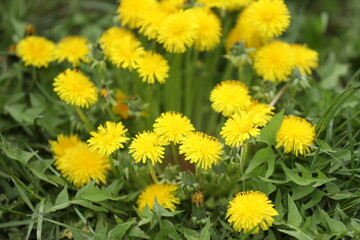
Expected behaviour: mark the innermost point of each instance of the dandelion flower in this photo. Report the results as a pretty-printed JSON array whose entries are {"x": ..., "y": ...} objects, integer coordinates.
[
  {"x": 73, "y": 49},
  {"x": 152, "y": 20},
  {"x": 237, "y": 4},
  {"x": 108, "y": 139},
  {"x": 178, "y": 31},
  {"x": 125, "y": 52},
  {"x": 251, "y": 210},
  {"x": 36, "y": 51},
  {"x": 75, "y": 88},
  {"x": 275, "y": 61},
  {"x": 172, "y": 6},
  {"x": 270, "y": 17},
  {"x": 80, "y": 165},
  {"x": 152, "y": 66},
  {"x": 148, "y": 145},
  {"x": 121, "y": 108},
  {"x": 239, "y": 128},
  {"x": 229, "y": 97},
  {"x": 201, "y": 149},
  {"x": 260, "y": 112},
  {"x": 173, "y": 126},
  {"x": 111, "y": 36},
  {"x": 305, "y": 58},
  {"x": 164, "y": 194},
  {"x": 295, "y": 135},
  {"x": 208, "y": 36},
  {"x": 63, "y": 143},
  {"x": 131, "y": 12}
]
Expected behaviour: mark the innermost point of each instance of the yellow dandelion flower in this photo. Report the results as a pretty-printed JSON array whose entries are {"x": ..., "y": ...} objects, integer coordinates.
[
  {"x": 172, "y": 6},
  {"x": 201, "y": 149},
  {"x": 213, "y": 3},
  {"x": 260, "y": 112},
  {"x": 208, "y": 36},
  {"x": 173, "y": 126},
  {"x": 164, "y": 194},
  {"x": 62, "y": 143},
  {"x": 111, "y": 36},
  {"x": 131, "y": 12},
  {"x": 178, "y": 31},
  {"x": 121, "y": 108},
  {"x": 125, "y": 52},
  {"x": 251, "y": 210},
  {"x": 148, "y": 145},
  {"x": 305, "y": 58},
  {"x": 108, "y": 139},
  {"x": 270, "y": 17},
  {"x": 73, "y": 49},
  {"x": 275, "y": 61},
  {"x": 75, "y": 88},
  {"x": 229, "y": 97},
  {"x": 80, "y": 165},
  {"x": 239, "y": 128},
  {"x": 152, "y": 66},
  {"x": 237, "y": 4},
  {"x": 295, "y": 135},
  {"x": 152, "y": 20},
  {"x": 36, "y": 51}
]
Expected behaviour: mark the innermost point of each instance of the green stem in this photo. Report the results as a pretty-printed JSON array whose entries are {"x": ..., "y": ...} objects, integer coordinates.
[
  {"x": 113, "y": 168},
  {"x": 84, "y": 119},
  {"x": 175, "y": 154},
  {"x": 243, "y": 155},
  {"x": 278, "y": 95},
  {"x": 153, "y": 174}
]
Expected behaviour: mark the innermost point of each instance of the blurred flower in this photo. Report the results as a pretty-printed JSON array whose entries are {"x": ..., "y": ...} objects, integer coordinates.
[
  {"x": 73, "y": 49},
  {"x": 198, "y": 199},
  {"x": 108, "y": 139},
  {"x": 251, "y": 210},
  {"x": 164, "y": 194},
  {"x": 152, "y": 20},
  {"x": 229, "y": 97},
  {"x": 111, "y": 36},
  {"x": 295, "y": 135},
  {"x": 275, "y": 61},
  {"x": 237, "y": 4},
  {"x": 270, "y": 17},
  {"x": 305, "y": 58},
  {"x": 239, "y": 128},
  {"x": 172, "y": 6},
  {"x": 148, "y": 145},
  {"x": 63, "y": 143},
  {"x": 209, "y": 33},
  {"x": 36, "y": 51},
  {"x": 75, "y": 88},
  {"x": 213, "y": 3},
  {"x": 172, "y": 126},
  {"x": 30, "y": 30},
  {"x": 178, "y": 31},
  {"x": 80, "y": 165},
  {"x": 201, "y": 149},
  {"x": 152, "y": 66},
  {"x": 124, "y": 52},
  {"x": 261, "y": 112},
  {"x": 121, "y": 108},
  {"x": 131, "y": 12}
]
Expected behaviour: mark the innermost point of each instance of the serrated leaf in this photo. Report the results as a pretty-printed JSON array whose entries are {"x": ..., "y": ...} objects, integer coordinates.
[
  {"x": 18, "y": 154},
  {"x": 138, "y": 233},
  {"x": 94, "y": 194},
  {"x": 260, "y": 157},
  {"x": 63, "y": 197},
  {"x": 205, "y": 232},
  {"x": 167, "y": 230},
  {"x": 294, "y": 217},
  {"x": 119, "y": 231},
  {"x": 334, "y": 225},
  {"x": 268, "y": 133}
]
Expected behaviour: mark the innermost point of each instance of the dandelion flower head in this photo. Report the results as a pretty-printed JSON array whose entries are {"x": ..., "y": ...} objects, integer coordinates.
[
  {"x": 73, "y": 49},
  {"x": 80, "y": 165},
  {"x": 295, "y": 135},
  {"x": 229, "y": 97},
  {"x": 270, "y": 17},
  {"x": 62, "y": 143},
  {"x": 239, "y": 128},
  {"x": 172, "y": 6},
  {"x": 36, "y": 51},
  {"x": 148, "y": 146},
  {"x": 260, "y": 112},
  {"x": 152, "y": 66},
  {"x": 275, "y": 61},
  {"x": 251, "y": 210},
  {"x": 152, "y": 20},
  {"x": 75, "y": 88},
  {"x": 178, "y": 31},
  {"x": 108, "y": 138},
  {"x": 173, "y": 126},
  {"x": 131, "y": 12},
  {"x": 111, "y": 36},
  {"x": 305, "y": 58},
  {"x": 237, "y": 4},
  {"x": 164, "y": 193},
  {"x": 209, "y": 33},
  {"x": 201, "y": 149}
]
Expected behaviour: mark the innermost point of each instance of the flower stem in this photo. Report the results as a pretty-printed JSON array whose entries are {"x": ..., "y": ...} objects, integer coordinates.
[
  {"x": 278, "y": 95},
  {"x": 84, "y": 119},
  {"x": 175, "y": 154},
  {"x": 243, "y": 155},
  {"x": 113, "y": 168},
  {"x": 153, "y": 174}
]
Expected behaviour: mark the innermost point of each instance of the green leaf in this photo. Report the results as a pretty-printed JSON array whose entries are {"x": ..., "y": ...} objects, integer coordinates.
[
  {"x": 94, "y": 194},
  {"x": 63, "y": 197},
  {"x": 334, "y": 225},
  {"x": 18, "y": 154},
  {"x": 23, "y": 195},
  {"x": 268, "y": 133},
  {"x": 167, "y": 230},
  {"x": 119, "y": 231},
  {"x": 294, "y": 217},
  {"x": 138, "y": 233},
  {"x": 205, "y": 232},
  {"x": 260, "y": 157}
]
